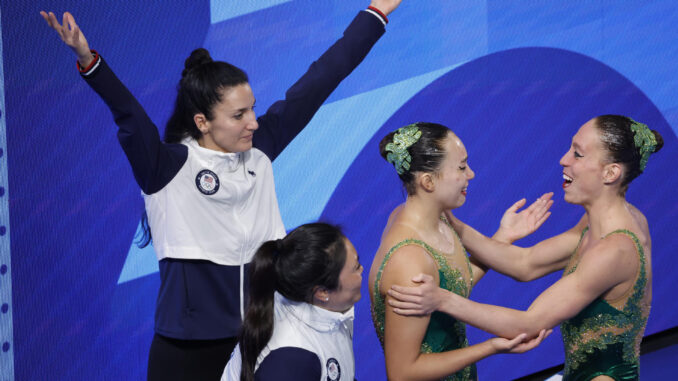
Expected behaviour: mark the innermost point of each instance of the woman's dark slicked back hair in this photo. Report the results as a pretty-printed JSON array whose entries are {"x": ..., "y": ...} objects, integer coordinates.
[
  {"x": 427, "y": 153},
  {"x": 618, "y": 140}
]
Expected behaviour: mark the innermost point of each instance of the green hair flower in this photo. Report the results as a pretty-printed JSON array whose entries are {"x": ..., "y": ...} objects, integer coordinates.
[
  {"x": 644, "y": 140},
  {"x": 397, "y": 150}
]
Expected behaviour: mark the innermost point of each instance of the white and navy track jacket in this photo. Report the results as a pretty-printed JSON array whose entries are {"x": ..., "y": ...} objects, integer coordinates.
[
  {"x": 309, "y": 343},
  {"x": 209, "y": 211}
]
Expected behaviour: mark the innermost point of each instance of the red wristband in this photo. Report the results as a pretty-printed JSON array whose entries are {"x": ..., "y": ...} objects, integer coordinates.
[
  {"x": 94, "y": 61},
  {"x": 380, "y": 13}
]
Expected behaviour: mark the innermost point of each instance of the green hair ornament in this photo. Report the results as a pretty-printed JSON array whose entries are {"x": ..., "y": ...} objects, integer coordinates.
[
  {"x": 644, "y": 140},
  {"x": 397, "y": 150}
]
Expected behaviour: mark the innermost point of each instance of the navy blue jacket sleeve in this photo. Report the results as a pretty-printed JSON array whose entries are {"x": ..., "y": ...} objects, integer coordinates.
[
  {"x": 286, "y": 118},
  {"x": 289, "y": 364},
  {"x": 154, "y": 163}
]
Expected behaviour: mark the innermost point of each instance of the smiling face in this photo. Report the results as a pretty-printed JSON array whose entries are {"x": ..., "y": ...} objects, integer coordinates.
[
  {"x": 451, "y": 180},
  {"x": 350, "y": 280},
  {"x": 233, "y": 124},
  {"x": 583, "y": 166}
]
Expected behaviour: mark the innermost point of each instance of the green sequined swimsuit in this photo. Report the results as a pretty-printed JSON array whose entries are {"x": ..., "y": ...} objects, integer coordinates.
[
  {"x": 444, "y": 333},
  {"x": 603, "y": 340}
]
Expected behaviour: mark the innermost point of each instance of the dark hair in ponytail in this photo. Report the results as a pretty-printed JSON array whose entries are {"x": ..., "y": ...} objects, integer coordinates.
[
  {"x": 200, "y": 88},
  {"x": 309, "y": 257},
  {"x": 202, "y": 83}
]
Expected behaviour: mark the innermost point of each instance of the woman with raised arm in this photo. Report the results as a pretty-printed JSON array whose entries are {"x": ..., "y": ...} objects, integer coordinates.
[
  {"x": 299, "y": 320},
  {"x": 431, "y": 161},
  {"x": 208, "y": 187},
  {"x": 603, "y": 299}
]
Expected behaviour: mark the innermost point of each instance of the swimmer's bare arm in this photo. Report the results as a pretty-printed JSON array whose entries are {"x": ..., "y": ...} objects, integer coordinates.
[
  {"x": 403, "y": 335},
  {"x": 523, "y": 264},
  {"x": 563, "y": 300}
]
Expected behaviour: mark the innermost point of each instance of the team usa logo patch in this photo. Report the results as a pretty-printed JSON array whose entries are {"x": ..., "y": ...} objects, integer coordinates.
[
  {"x": 207, "y": 182},
  {"x": 333, "y": 370}
]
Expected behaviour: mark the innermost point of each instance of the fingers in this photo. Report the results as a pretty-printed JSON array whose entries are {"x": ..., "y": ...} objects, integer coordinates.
[
  {"x": 403, "y": 305},
  {"x": 542, "y": 334},
  {"x": 517, "y": 340},
  {"x": 404, "y": 312},
  {"x": 406, "y": 294},
  {"x": 422, "y": 278},
  {"x": 52, "y": 21},
  {"x": 71, "y": 21},
  {"x": 517, "y": 205},
  {"x": 542, "y": 219}
]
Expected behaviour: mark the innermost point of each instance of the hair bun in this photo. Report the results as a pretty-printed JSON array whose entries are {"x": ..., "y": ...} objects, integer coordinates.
[
  {"x": 197, "y": 58},
  {"x": 384, "y": 141},
  {"x": 660, "y": 141}
]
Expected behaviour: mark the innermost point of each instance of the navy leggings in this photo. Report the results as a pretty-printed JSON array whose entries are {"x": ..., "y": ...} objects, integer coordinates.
[{"x": 175, "y": 359}]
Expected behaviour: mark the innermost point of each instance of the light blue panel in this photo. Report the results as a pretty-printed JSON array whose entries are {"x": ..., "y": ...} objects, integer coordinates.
[
  {"x": 309, "y": 169},
  {"x": 6, "y": 320},
  {"x": 139, "y": 262},
  {"x": 221, "y": 10}
]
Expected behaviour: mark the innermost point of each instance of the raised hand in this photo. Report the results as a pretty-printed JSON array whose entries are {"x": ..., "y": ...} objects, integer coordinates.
[
  {"x": 386, "y": 6},
  {"x": 71, "y": 35},
  {"x": 420, "y": 300},
  {"x": 515, "y": 225}
]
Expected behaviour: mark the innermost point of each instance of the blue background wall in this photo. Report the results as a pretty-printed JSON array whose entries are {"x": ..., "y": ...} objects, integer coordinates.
[{"x": 513, "y": 79}]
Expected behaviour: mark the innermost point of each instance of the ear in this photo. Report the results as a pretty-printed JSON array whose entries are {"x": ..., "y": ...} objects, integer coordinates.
[
  {"x": 202, "y": 123},
  {"x": 427, "y": 182},
  {"x": 611, "y": 173},
  {"x": 321, "y": 296}
]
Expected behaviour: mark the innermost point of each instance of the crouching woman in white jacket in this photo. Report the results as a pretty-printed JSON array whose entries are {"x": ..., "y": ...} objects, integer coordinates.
[{"x": 299, "y": 320}]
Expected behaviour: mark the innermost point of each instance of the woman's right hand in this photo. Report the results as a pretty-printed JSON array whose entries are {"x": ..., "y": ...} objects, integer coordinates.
[
  {"x": 518, "y": 344},
  {"x": 515, "y": 225},
  {"x": 71, "y": 35},
  {"x": 417, "y": 301}
]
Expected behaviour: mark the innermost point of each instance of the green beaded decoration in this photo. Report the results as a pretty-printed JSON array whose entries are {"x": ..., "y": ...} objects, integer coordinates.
[
  {"x": 397, "y": 150},
  {"x": 644, "y": 140}
]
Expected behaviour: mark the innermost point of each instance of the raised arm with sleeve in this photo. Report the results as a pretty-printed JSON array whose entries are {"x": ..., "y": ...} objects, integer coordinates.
[{"x": 211, "y": 307}]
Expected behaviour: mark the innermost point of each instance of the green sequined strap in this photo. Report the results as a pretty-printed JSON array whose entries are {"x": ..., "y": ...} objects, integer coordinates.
[
  {"x": 639, "y": 285},
  {"x": 449, "y": 273},
  {"x": 576, "y": 249},
  {"x": 387, "y": 257},
  {"x": 636, "y": 241},
  {"x": 379, "y": 308},
  {"x": 468, "y": 262}
]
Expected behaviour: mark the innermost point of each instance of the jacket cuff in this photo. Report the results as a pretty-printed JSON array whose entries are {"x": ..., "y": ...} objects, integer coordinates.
[
  {"x": 91, "y": 68},
  {"x": 378, "y": 14}
]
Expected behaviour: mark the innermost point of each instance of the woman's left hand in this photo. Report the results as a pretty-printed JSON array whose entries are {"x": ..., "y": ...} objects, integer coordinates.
[
  {"x": 518, "y": 344},
  {"x": 420, "y": 300},
  {"x": 515, "y": 225}
]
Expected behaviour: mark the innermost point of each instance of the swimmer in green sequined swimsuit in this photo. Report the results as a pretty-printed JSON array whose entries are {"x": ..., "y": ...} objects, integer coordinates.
[
  {"x": 603, "y": 300},
  {"x": 431, "y": 161},
  {"x": 604, "y": 338}
]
